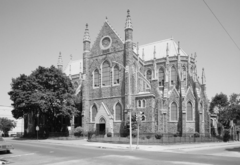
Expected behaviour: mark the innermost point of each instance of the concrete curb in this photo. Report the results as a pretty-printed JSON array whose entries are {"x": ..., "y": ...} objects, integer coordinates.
[{"x": 84, "y": 142}]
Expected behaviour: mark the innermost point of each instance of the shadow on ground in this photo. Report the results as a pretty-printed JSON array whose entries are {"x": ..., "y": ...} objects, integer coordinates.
[{"x": 236, "y": 149}]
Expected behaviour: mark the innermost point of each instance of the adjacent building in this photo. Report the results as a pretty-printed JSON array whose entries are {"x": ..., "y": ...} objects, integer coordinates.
[{"x": 6, "y": 112}]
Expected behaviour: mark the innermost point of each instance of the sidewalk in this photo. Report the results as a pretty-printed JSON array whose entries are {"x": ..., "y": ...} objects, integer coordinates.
[{"x": 169, "y": 147}]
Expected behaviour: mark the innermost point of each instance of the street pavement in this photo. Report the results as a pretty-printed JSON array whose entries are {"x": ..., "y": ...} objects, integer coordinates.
[
  {"x": 64, "y": 152},
  {"x": 165, "y": 148}
]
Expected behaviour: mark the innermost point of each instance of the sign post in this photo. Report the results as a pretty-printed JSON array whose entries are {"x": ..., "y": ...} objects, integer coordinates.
[
  {"x": 37, "y": 129},
  {"x": 138, "y": 118}
]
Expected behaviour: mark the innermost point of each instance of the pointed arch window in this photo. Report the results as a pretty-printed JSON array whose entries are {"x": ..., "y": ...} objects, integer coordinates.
[
  {"x": 149, "y": 76},
  {"x": 118, "y": 112},
  {"x": 173, "y": 112},
  {"x": 202, "y": 110},
  {"x": 161, "y": 77},
  {"x": 94, "y": 112},
  {"x": 96, "y": 78},
  {"x": 106, "y": 74},
  {"x": 75, "y": 85},
  {"x": 116, "y": 75},
  {"x": 189, "y": 111},
  {"x": 173, "y": 76},
  {"x": 141, "y": 103},
  {"x": 184, "y": 75}
]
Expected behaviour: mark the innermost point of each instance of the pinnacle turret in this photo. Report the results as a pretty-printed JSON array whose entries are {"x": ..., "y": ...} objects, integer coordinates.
[
  {"x": 86, "y": 40},
  {"x": 167, "y": 50},
  {"x": 143, "y": 53},
  {"x": 60, "y": 62},
  {"x": 128, "y": 24},
  {"x": 178, "y": 48},
  {"x": 86, "y": 37},
  {"x": 203, "y": 77},
  {"x": 154, "y": 52}
]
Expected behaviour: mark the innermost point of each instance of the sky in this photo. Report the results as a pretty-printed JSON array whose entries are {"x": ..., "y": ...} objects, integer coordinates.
[{"x": 33, "y": 32}]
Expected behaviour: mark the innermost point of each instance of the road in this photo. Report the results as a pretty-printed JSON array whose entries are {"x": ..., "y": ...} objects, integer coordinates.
[{"x": 32, "y": 152}]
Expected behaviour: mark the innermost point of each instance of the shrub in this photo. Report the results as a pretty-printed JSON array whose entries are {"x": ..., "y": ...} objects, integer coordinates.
[
  {"x": 196, "y": 134},
  {"x": 134, "y": 133},
  {"x": 176, "y": 134},
  {"x": 158, "y": 135},
  {"x": 124, "y": 132},
  {"x": 109, "y": 134},
  {"x": 226, "y": 136},
  {"x": 142, "y": 137},
  {"x": 85, "y": 133},
  {"x": 148, "y": 136},
  {"x": 78, "y": 131}
]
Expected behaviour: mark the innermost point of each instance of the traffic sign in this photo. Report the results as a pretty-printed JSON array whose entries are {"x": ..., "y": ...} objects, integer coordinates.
[{"x": 37, "y": 128}]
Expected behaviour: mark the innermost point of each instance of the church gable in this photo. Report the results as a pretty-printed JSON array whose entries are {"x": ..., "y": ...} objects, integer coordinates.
[
  {"x": 107, "y": 41},
  {"x": 174, "y": 94},
  {"x": 189, "y": 94}
]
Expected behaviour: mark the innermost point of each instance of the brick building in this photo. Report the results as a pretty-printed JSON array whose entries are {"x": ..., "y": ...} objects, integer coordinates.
[{"x": 158, "y": 78}]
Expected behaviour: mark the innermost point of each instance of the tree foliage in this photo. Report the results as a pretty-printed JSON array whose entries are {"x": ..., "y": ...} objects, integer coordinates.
[
  {"x": 220, "y": 101},
  {"x": 46, "y": 91},
  {"x": 228, "y": 110},
  {"x": 6, "y": 124}
]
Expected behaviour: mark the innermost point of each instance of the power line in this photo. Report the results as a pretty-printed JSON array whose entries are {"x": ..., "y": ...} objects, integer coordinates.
[{"x": 222, "y": 25}]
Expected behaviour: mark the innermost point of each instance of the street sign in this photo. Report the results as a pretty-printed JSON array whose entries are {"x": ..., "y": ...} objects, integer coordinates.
[{"x": 37, "y": 128}]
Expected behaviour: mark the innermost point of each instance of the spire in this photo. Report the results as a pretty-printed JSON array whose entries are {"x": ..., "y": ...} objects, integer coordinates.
[
  {"x": 154, "y": 52},
  {"x": 167, "y": 50},
  {"x": 80, "y": 67},
  {"x": 203, "y": 77},
  {"x": 143, "y": 53},
  {"x": 70, "y": 57},
  {"x": 195, "y": 57},
  {"x": 189, "y": 58},
  {"x": 137, "y": 49},
  {"x": 178, "y": 48},
  {"x": 86, "y": 37},
  {"x": 60, "y": 62},
  {"x": 128, "y": 24}
]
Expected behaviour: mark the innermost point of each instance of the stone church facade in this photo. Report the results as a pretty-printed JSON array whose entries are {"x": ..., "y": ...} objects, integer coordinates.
[{"x": 158, "y": 78}]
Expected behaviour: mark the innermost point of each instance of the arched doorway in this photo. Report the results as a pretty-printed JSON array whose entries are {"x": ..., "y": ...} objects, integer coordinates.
[{"x": 102, "y": 126}]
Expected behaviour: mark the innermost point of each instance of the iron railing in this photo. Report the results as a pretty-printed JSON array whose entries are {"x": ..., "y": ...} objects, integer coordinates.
[{"x": 151, "y": 138}]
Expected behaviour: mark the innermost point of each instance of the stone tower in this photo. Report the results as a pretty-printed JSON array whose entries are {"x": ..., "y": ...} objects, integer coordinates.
[{"x": 85, "y": 101}]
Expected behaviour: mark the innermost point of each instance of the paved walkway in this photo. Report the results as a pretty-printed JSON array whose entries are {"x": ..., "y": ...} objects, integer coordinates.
[{"x": 172, "y": 147}]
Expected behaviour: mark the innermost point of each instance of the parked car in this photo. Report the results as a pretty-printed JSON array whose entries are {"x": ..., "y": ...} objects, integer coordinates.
[{"x": 4, "y": 146}]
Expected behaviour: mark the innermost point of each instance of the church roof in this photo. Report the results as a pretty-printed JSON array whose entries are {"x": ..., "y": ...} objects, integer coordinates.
[
  {"x": 160, "y": 48},
  {"x": 73, "y": 67}
]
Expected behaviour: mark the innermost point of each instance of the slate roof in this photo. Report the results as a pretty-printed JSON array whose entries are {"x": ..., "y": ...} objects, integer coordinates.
[
  {"x": 161, "y": 47},
  {"x": 74, "y": 67}
]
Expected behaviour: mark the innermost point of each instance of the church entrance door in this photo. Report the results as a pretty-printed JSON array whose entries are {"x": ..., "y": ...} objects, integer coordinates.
[{"x": 102, "y": 126}]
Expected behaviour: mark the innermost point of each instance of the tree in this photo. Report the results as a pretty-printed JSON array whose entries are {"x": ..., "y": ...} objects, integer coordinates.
[
  {"x": 234, "y": 99},
  {"x": 6, "y": 124},
  {"x": 47, "y": 92},
  {"x": 228, "y": 110},
  {"x": 220, "y": 101}
]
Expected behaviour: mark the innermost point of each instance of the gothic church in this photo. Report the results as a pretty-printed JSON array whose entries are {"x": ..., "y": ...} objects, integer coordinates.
[{"x": 160, "y": 79}]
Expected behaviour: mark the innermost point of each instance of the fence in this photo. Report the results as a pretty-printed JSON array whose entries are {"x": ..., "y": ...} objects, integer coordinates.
[{"x": 152, "y": 138}]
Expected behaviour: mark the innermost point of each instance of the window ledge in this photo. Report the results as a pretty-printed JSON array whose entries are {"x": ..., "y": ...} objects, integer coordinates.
[
  {"x": 117, "y": 121},
  {"x": 173, "y": 121},
  {"x": 190, "y": 121},
  {"x": 105, "y": 86}
]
